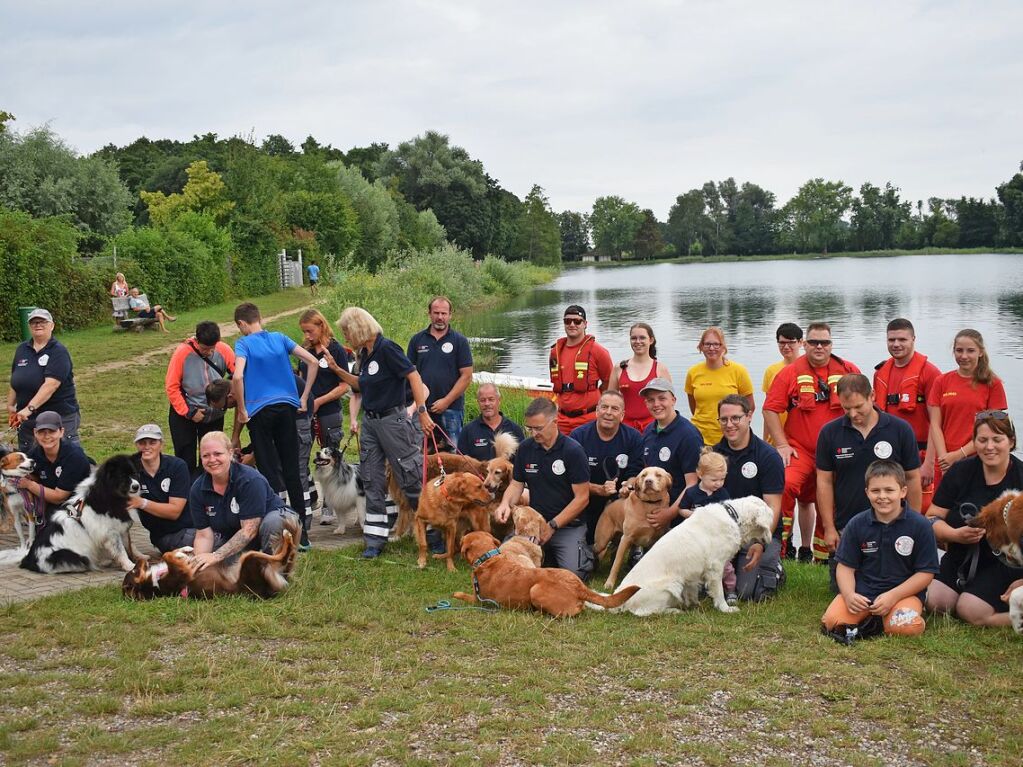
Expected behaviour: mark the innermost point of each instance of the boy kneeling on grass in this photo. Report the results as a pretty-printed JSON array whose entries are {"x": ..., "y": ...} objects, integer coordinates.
[{"x": 887, "y": 557}]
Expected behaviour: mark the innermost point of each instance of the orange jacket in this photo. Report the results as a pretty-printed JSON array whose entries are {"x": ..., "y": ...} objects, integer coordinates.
[{"x": 910, "y": 393}]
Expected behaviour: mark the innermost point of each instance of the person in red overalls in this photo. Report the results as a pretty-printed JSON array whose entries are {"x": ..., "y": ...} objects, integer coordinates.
[
  {"x": 631, "y": 375},
  {"x": 580, "y": 371},
  {"x": 902, "y": 384},
  {"x": 807, "y": 391}
]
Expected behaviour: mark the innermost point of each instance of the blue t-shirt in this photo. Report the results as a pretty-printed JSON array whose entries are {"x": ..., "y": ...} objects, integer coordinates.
[
  {"x": 247, "y": 495},
  {"x": 676, "y": 449},
  {"x": 31, "y": 368},
  {"x": 550, "y": 474},
  {"x": 884, "y": 556},
  {"x": 382, "y": 374},
  {"x": 268, "y": 378},
  {"x": 171, "y": 480},
  {"x": 756, "y": 469},
  {"x": 439, "y": 362},
  {"x": 314, "y": 272},
  {"x": 620, "y": 457},
  {"x": 69, "y": 468},
  {"x": 476, "y": 439}
]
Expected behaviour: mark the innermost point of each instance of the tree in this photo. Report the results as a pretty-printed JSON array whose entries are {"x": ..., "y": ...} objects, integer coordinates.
[
  {"x": 378, "y": 217},
  {"x": 877, "y": 217},
  {"x": 688, "y": 222},
  {"x": 5, "y": 117},
  {"x": 365, "y": 158},
  {"x": 648, "y": 243},
  {"x": 539, "y": 238},
  {"x": 813, "y": 218},
  {"x": 203, "y": 193},
  {"x": 575, "y": 234},
  {"x": 276, "y": 145},
  {"x": 978, "y": 222},
  {"x": 755, "y": 221},
  {"x": 614, "y": 223},
  {"x": 1010, "y": 194},
  {"x": 330, "y": 216}
]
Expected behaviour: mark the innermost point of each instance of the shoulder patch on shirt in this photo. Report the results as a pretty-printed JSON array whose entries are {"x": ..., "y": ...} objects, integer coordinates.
[{"x": 904, "y": 545}]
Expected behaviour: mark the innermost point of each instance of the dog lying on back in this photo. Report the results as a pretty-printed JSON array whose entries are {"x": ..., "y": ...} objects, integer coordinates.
[
  {"x": 253, "y": 574},
  {"x": 13, "y": 510},
  {"x": 1002, "y": 520}
]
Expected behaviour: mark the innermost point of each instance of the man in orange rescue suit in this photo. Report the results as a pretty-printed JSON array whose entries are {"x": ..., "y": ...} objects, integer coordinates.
[
  {"x": 901, "y": 385},
  {"x": 806, "y": 390},
  {"x": 580, "y": 370}
]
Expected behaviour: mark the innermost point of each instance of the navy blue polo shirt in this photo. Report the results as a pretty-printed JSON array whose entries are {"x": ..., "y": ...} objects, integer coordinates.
[
  {"x": 171, "y": 480},
  {"x": 326, "y": 379},
  {"x": 841, "y": 449},
  {"x": 694, "y": 497},
  {"x": 65, "y": 472},
  {"x": 477, "y": 439},
  {"x": 31, "y": 368},
  {"x": 623, "y": 454},
  {"x": 382, "y": 374},
  {"x": 550, "y": 474},
  {"x": 884, "y": 556},
  {"x": 438, "y": 361},
  {"x": 756, "y": 469},
  {"x": 676, "y": 449},
  {"x": 247, "y": 495}
]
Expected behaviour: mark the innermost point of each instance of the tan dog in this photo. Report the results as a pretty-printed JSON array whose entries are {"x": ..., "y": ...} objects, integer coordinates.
[
  {"x": 550, "y": 590},
  {"x": 443, "y": 503},
  {"x": 524, "y": 546},
  {"x": 627, "y": 517},
  {"x": 1002, "y": 519}
]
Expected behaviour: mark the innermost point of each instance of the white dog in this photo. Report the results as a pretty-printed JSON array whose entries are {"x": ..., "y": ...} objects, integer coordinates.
[
  {"x": 694, "y": 554},
  {"x": 1016, "y": 609}
]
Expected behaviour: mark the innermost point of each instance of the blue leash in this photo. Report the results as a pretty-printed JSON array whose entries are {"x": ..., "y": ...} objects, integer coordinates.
[{"x": 489, "y": 606}]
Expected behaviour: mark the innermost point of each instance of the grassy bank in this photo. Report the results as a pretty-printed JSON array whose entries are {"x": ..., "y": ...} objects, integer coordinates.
[{"x": 795, "y": 256}]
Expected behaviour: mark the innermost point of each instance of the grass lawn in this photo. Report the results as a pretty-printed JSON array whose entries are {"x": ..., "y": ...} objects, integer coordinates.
[{"x": 349, "y": 668}]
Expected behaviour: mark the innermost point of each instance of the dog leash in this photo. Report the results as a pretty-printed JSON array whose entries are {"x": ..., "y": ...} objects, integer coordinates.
[{"x": 454, "y": 447}]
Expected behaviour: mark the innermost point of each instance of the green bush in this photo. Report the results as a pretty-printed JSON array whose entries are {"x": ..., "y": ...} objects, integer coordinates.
[
  {"x": 503, "y": 279},
  {"x": 254, "y": 261}
]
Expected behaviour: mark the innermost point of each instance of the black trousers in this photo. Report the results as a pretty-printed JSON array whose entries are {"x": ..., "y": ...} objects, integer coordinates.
[
  {"x": 274, "y": 438},
  {"x": 185, "y": 435}
]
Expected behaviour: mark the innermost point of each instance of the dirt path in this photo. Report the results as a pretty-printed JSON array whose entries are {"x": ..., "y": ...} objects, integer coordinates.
[{"x": 227, "y": 330}]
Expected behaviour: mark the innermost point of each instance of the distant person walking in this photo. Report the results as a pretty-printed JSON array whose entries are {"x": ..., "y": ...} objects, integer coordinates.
[{"x": 314, "y": 276}]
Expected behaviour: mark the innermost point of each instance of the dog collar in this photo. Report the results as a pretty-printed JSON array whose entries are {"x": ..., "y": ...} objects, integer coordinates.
[
  {"x": 483, "y": 558},
  {"x": 532, "y": 539},
  {"x": 1005, "y": 511},
  {"x": 731, "y": 512}
]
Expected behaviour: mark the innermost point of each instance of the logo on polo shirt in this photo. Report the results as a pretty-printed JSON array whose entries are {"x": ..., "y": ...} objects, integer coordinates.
[
  {"x": 480, "y": 442},
  {"x": 58, "y": 471},
  {"x": 904, "y": 545},
  {"x": 22, "y": 362},
  {"x": 868, "y": 547},
  {"x": 165, "y": 484},
  {"x": 883, "y": 449},
  {"x": 211, "y": 511},
  {"x": 43, "y": 360},
  {"x": 422, "y": 349},
  {"x": 447, "y": 347},
  {"x": 532, "y": 468},
  {"x": 558, "y": 467},
  {"x": 749, "y": 470},
  {"x": 665, "y": 453},
  {"x": 843, "y": 452},
  {"x": 234, "y": 506},
  {"x": 322, "y": 363},
  {"x": 591, "y": 460},
  {"x": 372, "y": 368}
]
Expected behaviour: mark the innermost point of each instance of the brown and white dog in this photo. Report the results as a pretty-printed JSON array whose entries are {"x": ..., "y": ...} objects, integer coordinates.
[
  {"x": 15, "y": 511},
  {"x": 524, "y": 546},
  {"x": 1002, "y": 520},
  {"x": 253, "y": 574},
  {"x": 627, "y": 517},
  {"x": 444, "y": 502}
]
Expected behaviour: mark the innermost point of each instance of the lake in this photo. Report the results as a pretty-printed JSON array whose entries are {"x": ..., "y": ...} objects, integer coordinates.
[{"x": 940, "y": 294}]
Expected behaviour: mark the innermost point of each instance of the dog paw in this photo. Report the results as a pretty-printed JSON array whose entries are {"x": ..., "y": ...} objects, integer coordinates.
[
  {"x": 728, "y": 609},
  {"x": 339, "y": 530}
]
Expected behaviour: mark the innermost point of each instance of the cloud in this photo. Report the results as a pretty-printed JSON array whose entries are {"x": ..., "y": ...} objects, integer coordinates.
[{"x": 642, "y": 99}]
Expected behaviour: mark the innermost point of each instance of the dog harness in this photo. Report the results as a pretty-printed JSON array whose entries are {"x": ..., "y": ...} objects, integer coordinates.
[{"x": 475, "y": 581}]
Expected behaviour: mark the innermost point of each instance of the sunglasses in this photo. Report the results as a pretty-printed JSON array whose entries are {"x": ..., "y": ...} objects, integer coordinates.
[
  {"x": 995, "y": 415},
  {"x": 816, "y": 342},
  {"x": 574, "y": 320}
]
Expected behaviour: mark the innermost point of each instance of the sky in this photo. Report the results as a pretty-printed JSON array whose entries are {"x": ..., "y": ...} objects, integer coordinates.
[{"x": 645, "y": 99}]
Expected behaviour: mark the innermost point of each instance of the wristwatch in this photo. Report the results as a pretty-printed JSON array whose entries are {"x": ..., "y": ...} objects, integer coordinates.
[
  {"x": 421, "y": 409},
  {"x": 30, "y": 408},
  {"x": 553, "y": 524}
]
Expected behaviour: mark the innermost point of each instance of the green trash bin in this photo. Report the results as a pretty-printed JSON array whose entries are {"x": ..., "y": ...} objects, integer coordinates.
[{"x": 23, "y": 312}]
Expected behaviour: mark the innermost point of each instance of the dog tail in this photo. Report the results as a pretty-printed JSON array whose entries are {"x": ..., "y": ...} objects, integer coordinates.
[
  {"x": 505, "y": 445},
  {"x": 13, "y": 556},
  {"x": 609, "y": 601}
]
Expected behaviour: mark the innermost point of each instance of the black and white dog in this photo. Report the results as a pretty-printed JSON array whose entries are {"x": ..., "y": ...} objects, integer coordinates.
[
  {"x": 16, "y": 503},
  {"x": 343, "y": 495},
  {"x": 88, "y": 530}
]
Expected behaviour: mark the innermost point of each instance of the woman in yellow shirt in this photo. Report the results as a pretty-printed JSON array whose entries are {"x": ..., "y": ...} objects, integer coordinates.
[{"x": 708, "y": 382}]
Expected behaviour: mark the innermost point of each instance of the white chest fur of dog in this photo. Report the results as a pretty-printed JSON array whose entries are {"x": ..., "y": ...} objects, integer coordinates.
[
  {"x": 693, "y": 554},
  {"x": 339, "y": 482},
  {"x": 14, "y": 466}
]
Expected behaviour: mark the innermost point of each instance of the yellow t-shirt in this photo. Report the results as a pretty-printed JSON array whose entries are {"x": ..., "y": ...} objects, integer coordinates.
[
  {"x": 769, "y": 375},
  {"x": 708, "y": 387}
]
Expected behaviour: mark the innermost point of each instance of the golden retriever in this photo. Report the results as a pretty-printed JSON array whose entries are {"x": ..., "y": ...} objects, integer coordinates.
[
  {"x": 444, "y": 502},
  {"x": 524, "y": 546}
]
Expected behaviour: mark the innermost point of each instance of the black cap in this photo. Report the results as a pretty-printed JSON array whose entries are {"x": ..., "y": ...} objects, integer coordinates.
[{"x": 575, "y": 309}]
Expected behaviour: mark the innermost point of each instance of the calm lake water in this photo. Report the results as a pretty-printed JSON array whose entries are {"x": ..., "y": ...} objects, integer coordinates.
[{"x": 857, "y": 296}]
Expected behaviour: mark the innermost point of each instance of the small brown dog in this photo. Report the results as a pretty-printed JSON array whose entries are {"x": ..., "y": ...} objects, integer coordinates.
[
  {"x": 1002, "y": 519},
  {"x": 445, "y": 501},
  {"x": 524, "y": 546},
  {"x": 550, "y": 590},
  {"x": 254, "y": 574},
  {"x": 627, "y": 517}
]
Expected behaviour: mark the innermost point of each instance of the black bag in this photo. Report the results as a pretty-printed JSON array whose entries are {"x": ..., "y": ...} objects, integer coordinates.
[{"x": 844, "y": 633}]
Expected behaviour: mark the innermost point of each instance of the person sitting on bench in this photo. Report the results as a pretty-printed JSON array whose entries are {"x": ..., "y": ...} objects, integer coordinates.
[{"x": 142, "y": 308}]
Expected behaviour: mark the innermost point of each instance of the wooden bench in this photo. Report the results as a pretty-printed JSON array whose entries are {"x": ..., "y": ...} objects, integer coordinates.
[{"x": 124, "y": 316}]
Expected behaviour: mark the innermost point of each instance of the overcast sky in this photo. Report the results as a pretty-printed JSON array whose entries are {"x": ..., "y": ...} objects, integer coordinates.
[{"x": 641, "y": 99}]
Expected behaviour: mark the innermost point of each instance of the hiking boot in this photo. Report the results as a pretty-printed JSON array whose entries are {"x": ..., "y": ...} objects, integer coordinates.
[{"x": 805, "y": 554}]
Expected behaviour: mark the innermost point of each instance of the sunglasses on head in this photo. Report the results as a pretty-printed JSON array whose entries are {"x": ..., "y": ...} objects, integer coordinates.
[
  {"x": 818, "y": 342},
  {"x": 995, "y": 415},
  {"x": 574, "y": 320}
]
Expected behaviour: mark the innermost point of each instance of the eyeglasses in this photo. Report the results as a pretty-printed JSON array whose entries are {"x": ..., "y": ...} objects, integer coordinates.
[
  {"x": 538, "y": 429},
  {"x": 995, "y": 415},
  {"x": 711, "y": 345},
  {"x": 727, "y": 419},
  {"x": 788, "y": 343},
  {"x": 817, "y": 342},
  {"x": 574, "y": 320}
]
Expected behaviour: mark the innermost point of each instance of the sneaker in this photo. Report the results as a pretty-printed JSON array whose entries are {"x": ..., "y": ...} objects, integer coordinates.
[
  {"x": 805, "y": 554},
  {"x": 371, "y": 552},
  {"x": 328, "y": 517},
  {"x": 305, "y": 546},
  {"x": 732, "y": 598}
]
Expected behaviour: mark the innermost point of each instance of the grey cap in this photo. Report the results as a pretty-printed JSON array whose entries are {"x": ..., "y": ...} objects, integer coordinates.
[
  {"x": 48, "y": 421},
  {"x": 149, "y": 431},
  {"x": 657, "y": 384},
  {"x": 40, "y": 314}
]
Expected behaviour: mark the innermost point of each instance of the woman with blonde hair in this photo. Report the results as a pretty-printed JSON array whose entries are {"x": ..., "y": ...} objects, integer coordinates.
[
  {"x": 387, "y": 433},
  {"x": 630, "y": 376},
  {"x": 710, "y": 381}
]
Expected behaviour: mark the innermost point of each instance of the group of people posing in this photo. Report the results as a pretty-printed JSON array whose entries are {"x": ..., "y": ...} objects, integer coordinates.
[{"x": 937, "y": 443}]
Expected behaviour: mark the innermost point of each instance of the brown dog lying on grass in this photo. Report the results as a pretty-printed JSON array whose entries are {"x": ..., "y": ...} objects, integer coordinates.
[
  {"x": 524, "y": 546},
  {"x": 253, "y": 574},
  {"x": 445, "y": 501},
  {"x": 551, "y": 590},
  {"x": 627, "y": 517}
]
